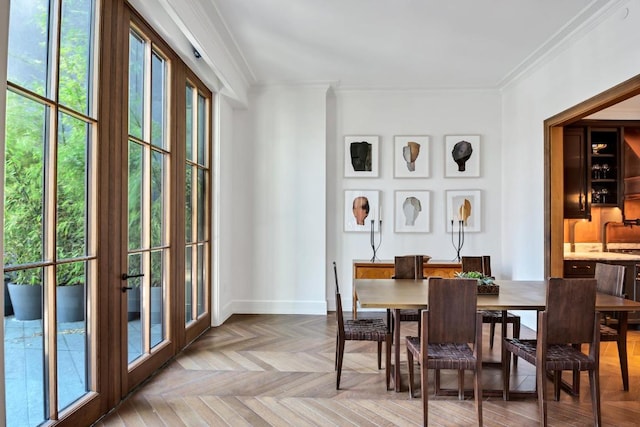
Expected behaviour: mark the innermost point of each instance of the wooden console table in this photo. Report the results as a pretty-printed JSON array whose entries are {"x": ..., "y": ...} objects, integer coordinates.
[{"x": 365, "y": 269}]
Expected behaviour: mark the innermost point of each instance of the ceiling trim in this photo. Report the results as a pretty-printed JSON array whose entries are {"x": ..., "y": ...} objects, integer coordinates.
[{"x": 590, "y": 17}]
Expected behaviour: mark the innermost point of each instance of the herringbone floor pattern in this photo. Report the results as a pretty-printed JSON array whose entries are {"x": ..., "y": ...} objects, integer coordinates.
[{"x": 278, "y": 370}]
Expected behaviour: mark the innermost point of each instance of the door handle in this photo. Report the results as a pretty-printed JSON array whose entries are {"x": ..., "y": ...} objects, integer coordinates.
[{"x": 126, "y": 276}]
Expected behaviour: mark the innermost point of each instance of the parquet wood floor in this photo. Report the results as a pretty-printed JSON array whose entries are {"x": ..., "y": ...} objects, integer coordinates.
[{"x": 278, "y": 370}]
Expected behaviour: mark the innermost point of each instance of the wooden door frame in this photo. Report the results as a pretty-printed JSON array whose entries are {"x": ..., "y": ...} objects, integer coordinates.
[{"x": 553, "y": 168}]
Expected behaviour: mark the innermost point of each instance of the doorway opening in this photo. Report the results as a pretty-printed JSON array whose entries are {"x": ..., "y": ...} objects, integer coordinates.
[{"x": 554, "y": 166}]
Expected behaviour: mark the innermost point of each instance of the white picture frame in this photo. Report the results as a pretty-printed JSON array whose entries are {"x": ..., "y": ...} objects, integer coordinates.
[
  {"x": 462, "y": 156},
  {"x": 361, "y": 156},
  {"x": 351, "y": 199},
  {"x": 455, "y": 198},
  {"x": 411, "y": 156},
  {"x": 412, "y": 211}
]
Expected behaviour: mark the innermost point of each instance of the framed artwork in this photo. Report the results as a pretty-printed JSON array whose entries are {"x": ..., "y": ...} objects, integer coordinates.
[
  {"x": 462, "y": 156},
  {"x": 466, "y": 206},
  {"x": 360, "y": 207},
  {"x": 411, "y": 211},
  {"x": 361, "y": 156},
  {"x": 411, "y": 156}
]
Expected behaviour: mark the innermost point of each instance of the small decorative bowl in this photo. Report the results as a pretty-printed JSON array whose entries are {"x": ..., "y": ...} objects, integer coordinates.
[{"x": 596, "y": 148}]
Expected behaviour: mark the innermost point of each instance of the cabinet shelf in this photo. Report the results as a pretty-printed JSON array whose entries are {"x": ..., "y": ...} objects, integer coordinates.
[{"x": 591, "y": 179}]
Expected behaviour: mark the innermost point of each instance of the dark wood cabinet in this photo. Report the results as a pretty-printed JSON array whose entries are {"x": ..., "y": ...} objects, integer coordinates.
[
  {"x": 576, "y": 200},
  {"x": 604, "y": 165},
  {"x": 592, "y": 169}
]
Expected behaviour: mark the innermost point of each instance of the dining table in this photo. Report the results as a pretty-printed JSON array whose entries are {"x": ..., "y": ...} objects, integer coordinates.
[{"x": 400, "y": 294}]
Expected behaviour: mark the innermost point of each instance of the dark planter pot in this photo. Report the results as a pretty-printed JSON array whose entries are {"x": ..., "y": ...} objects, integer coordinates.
[
  {"x": 70, "y": 303},
  {"x": 156, "y": 305},
  {"x": 133, "y": 303},
  {"x": 26, "y": 300},
  {"x": 8, "y": 307}
]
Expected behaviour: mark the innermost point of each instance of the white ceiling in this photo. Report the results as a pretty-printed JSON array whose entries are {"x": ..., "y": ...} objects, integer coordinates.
[{"x": 398, "y": 43}]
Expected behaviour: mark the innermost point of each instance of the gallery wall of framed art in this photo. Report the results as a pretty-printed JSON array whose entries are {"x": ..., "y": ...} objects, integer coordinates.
[{"x": 410, "y": 160}]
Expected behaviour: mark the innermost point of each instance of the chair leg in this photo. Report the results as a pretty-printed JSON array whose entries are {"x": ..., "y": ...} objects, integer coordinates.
[
  {"x": 506, "y": 372},
  {"x": 492, "y": 332},
  {"x": 541, "y": 374},
  {"x": 624, "y": 367},
  {"x": 557, "y": 380},
  {"x": 594, "y": 382},
  {"x": 575, "y": 385},
  {"x": 436, "y": 382},
  {"x": 410, "y": 366},
  {"x": 460, "y": 384},
  {"x": 335, "y": 368},
  {"x": 477, "y": 392},
  {"x": 387, "y": 361},
  {"x": 425, "y": 395},
  {"x": 339, "y": 362},
  {"x": 516, "y": 334},
  {"x": 379, "y": 355}
]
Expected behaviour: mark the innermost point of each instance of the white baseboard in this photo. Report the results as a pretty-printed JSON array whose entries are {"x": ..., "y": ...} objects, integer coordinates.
[
  {"x": 225, "y": 313},
  {"x": 279, "y": 307}
]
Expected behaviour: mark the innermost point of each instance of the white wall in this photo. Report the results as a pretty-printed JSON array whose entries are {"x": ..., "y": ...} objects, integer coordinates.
[
  {"x": 224, "y": 212},
  {"x": 592, "y": 62},
  {"x": 279, "y": 199},
  {"x": 433, "y": 113}
]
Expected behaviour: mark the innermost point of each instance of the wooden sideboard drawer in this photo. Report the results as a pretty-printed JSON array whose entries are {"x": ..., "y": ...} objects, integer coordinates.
[{"x": 364, "y": 272}]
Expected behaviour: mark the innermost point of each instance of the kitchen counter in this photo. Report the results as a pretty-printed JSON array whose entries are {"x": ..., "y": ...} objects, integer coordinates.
[{"x": 600, "y": 256}]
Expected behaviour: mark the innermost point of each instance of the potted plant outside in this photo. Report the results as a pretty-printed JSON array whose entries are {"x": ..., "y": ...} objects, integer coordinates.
[
  {"x": 70, "y": 292},
  {"x": 8, "y": 307},
  {"x": 25, "y": 291}
]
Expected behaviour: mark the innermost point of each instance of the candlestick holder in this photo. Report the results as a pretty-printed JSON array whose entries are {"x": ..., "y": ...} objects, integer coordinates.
[
  {"x": 460, "y": 243},
  {"x": 375, "y": 248}
]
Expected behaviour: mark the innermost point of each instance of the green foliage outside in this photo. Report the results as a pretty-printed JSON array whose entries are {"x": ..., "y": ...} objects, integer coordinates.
[
  {"x": 28, "y": 130},
  {"x": 29, "y": 125}
]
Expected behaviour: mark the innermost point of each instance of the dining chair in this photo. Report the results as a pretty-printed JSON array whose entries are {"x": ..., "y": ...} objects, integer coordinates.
[
  {"x": 570, "y": 318},
  {"x": 610, "y": 280},
  {"x": 368, "y": 329},
  {"x": 407, "y": 267},
  {"x": 450, "y": 338},
  {"x": 482, "y": 264}
]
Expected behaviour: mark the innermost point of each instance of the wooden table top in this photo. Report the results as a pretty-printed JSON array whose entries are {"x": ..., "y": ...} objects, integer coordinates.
[{"x": 514, "y": 295}]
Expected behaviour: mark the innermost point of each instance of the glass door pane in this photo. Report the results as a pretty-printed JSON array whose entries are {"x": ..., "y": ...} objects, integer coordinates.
[
  {"x": 50, "y": 174},
  {"x": 196, "y": 207},
  {"x": 148, "y": 209}
]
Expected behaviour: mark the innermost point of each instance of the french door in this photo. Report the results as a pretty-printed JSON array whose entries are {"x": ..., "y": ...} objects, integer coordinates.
[
  {"x": 165, "y": 210},
  {"x": 107, "y": 183},
  {"x": 146, "y": 281}
]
